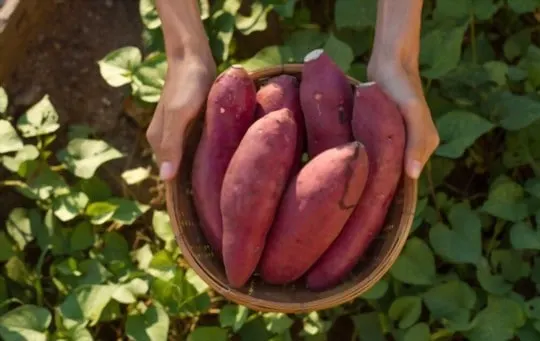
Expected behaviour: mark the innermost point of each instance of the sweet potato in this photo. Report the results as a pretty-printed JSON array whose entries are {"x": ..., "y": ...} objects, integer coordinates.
[
  {"x": 313, "y": 210},
  {"x": 378, "y": 123},
  {"x": 229, "y": 113},
  {"x": 283, "y": 92},
  {"x": 326, "y": 98},
  {"x": 252, "y": 188}
]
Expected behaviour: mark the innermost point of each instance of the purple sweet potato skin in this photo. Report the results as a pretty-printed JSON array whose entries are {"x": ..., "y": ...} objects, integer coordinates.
[
  {"x": 230, "y": 111},
  {"x": 279, "y": 92},
  {"x": 326, "y": 99},
  {"x": 253, "y": 185},
  {"x": 378, "y": 123},
  {"x": 314, "y": 208}
]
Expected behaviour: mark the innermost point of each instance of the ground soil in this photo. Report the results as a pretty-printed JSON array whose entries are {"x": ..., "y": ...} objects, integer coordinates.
[{"x": 62, "y": 63}]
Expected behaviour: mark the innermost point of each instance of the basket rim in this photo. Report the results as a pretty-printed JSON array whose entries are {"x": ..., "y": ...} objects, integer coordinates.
[{"x": 410, "y": 190}]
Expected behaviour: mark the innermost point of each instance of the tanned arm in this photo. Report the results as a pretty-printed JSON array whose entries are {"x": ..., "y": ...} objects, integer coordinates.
[{"x": 183, "y": 30}]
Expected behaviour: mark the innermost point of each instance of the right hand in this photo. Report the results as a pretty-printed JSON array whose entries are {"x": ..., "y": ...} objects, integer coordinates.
[{"x": 187, "y": 84}]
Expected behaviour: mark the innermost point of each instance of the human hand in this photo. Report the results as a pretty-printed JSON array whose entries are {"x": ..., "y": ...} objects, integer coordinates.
[
  {"x": 187, "y": 84},
  {"x": 403, "y": 85}
]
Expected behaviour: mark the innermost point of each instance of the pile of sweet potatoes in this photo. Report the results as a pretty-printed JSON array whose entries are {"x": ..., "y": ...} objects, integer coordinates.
[{"x": 262, "y": 209}]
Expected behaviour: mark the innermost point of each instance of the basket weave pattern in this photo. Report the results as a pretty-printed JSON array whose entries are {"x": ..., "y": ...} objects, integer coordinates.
[{"x": 294, "y": 298}]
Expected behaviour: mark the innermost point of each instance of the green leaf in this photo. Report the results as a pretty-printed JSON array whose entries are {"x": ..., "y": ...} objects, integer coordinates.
[
  {"x": 68, "y": 206},
  {"x": 368, "y": 326},
  {"x": 149, "y": 78},
  {"x": 127, "y": 211},
  {"x": 117, "y": 67},
  {"x": 505, "y": 200},
  {"x": 222, "y": 29},
  {"x": 418, "y": 332},
  {"x": 151, "y": 325},
  {"x": 498, "y": 71},
  {"x": 339, "y": 52},
  {"x": 416, "y": 264},
  {"x": 84, "y": 156},
  {"x": 82, "y": 237},
  {"x": 17, "y": 271},
  {"x": 254, "y": 22},
  {"x": 301, "y": 42},
  {"x": 268, "y": 56},
  {"x": 234, "y": 316},
  {"x": 441, "y": 50},
  {"x": 514, "y": 112},
  {"x": 406, "y": 310},
  {"x": 7, "y": 249},
  {"x": 128, "y": 293},
  {"x": 95, "y": 188},
  {"x": 85, "y": 304},
  {"x": 524, "y": 237},
  {"x": 314, "y": 325},
  {"x": 532, "y": 308},
  {"x": 511, "y": 263},
  {"x": 485, "y": 9},
  {"x": 523, "y": 6},
  {"x": 516, "y": 45},
  {"x": 498, "y": 321},
  {"x": 377, "y": 291},
  {"x": 21, "y": 224},
  {"x": 100, "y": 212},
  {"x": 208, "y": 333},
  {"x": 277, "y": 323},
  {"x": 40, "y": 119},
  {"x": 177, "y": 295},
  {"x": 451, "y": 301},
  {"x": 356, "y": 14},
  {"x": 9, "y": 139},
  {"x": 163, "y": 229},
  {"x": 462, "y": 243},
  {"x": 522, "y": 146},
  {"x": 491, "y": 282},
  {"x": 136, "y": 175},
  {"x": 3, "y": 100},
  {"x": 26, "y": 153},
  {"x": 149, "y": 14},
  {"x": 27, "y": 322},
  {"x": 458, "y": 131}
]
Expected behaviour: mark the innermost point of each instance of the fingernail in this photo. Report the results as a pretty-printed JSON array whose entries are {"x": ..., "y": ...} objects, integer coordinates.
[
  {"x": 415, "y": 168},
  {"x": 166, "y": 171}
]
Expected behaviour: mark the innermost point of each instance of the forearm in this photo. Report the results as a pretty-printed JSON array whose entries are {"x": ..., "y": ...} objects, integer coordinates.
[
  {"x": 182, "y": 27},
  {"x": 397, "y": 32}
]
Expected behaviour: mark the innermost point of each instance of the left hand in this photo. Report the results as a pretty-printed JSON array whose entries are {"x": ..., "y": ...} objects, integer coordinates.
[{"x": 401, "y": 82}]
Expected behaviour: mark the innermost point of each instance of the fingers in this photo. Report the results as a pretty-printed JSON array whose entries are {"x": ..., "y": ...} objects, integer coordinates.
[
  {"x": 422, "y": 137},
  {"x": 153, "y": 132},
  {"x": 165, "y": 135},
  {"x": 172, "y": 140}
]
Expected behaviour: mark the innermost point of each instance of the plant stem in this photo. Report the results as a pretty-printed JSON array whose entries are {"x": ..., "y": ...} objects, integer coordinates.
[
  {"x": 37, "y": 283},
  {"x": 472, "y": 24}
]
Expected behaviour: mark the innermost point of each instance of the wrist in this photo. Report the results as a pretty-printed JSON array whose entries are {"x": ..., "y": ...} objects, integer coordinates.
[
  {"x": 397, "y": 32},
  {"x": 183, "y": 30}
]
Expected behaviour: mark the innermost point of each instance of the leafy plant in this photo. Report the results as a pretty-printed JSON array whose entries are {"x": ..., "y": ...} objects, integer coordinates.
[{"x": 79, "y": 262}]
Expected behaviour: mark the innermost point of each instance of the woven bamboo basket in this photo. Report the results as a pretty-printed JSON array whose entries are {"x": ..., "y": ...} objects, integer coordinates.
[{"x": 294, "y": 298}]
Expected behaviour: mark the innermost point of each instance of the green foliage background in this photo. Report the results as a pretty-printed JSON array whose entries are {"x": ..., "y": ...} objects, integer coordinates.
[{"x": 80, "y": 262}]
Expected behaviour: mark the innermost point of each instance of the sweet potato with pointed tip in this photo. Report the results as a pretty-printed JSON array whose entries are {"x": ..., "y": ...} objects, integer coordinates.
[
  {"x": 253, "y": 185},
  {"x": 230, "y": 111},
  {"x": 326, "y": 97},
  {"x": 314, "y": 208},
  {"x": 283, "y": 92},
  {"x": 378, "y": 123}
]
